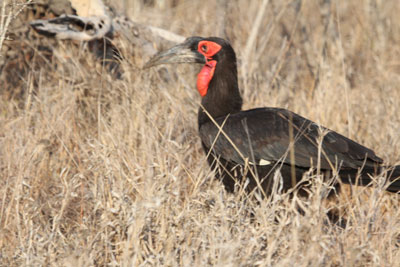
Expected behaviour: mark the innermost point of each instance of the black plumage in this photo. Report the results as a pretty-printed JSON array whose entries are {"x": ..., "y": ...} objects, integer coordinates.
[{"x": 254, "y": 144}]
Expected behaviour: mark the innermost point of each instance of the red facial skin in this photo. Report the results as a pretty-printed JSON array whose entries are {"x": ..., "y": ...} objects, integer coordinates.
[
  {"x": 204, "y": 77},
  {"x": 208, "y": 49}
]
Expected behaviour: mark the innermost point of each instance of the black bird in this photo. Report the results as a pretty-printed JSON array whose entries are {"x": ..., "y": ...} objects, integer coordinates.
[{"x": 257, "y": 142}]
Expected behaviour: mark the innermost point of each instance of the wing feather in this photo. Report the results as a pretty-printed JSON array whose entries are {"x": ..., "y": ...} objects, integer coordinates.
[{"x": 269, "y": 133}]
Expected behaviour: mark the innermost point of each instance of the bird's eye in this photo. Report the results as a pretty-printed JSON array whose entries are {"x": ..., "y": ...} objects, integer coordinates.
[{"x": 204, "y": 48}]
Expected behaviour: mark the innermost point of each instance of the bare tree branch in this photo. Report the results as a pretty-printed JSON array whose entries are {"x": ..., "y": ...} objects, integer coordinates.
[{"x": 74, "y": 27}]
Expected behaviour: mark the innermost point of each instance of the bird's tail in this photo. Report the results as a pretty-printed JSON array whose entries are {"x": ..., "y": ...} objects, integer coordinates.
[{"x": 366, "y": 176}]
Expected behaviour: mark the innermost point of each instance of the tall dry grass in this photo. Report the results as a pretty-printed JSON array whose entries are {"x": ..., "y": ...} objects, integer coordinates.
[{"x": 96, "y": 171}]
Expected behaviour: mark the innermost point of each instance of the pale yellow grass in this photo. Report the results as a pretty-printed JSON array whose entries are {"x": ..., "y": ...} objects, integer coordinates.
[{"x": 96, "y": 171}]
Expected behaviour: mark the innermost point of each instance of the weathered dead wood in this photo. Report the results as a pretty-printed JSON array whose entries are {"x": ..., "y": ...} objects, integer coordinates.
[
  {"x": 89, "y": 28},
  {"x": 100, "y": 26},
  {"x": 74, "y": 27}
]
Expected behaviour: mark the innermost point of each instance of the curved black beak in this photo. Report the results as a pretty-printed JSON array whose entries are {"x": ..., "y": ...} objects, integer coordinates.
[{"x": 182, "y": 53}]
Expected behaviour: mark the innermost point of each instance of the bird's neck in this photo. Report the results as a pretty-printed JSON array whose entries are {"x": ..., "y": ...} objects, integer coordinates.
[{"x": 223, "y": 96}]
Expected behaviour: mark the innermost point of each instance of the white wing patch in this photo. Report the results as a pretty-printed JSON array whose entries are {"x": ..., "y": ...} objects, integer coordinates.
[{"x": 264, "y": 162}]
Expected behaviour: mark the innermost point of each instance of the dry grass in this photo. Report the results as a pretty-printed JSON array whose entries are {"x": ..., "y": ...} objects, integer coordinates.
[{"x": 97, "y": 171}]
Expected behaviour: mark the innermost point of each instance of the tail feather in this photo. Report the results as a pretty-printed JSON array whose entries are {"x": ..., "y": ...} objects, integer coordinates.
[
  {"x": 366, "y": 176},
  {"x": 394, "y": 180}
]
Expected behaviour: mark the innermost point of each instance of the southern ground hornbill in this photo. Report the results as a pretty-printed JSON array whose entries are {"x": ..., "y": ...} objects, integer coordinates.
[{"x": 257, "y": 142}]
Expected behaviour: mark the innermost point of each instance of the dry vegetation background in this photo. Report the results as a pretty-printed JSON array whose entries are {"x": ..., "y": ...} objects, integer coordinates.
[{"x": 98, "y": 171}]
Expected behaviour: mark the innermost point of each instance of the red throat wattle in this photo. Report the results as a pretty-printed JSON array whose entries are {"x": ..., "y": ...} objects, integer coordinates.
[{"x": 204, "y": 77}]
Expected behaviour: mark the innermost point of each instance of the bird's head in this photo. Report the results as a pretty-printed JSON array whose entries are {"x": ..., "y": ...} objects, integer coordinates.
[{"x": 211, "y": 52}]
